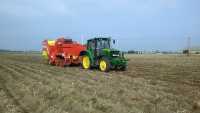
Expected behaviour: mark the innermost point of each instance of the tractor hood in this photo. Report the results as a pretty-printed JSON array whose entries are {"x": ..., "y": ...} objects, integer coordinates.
[{"x": 112, "y": 52}]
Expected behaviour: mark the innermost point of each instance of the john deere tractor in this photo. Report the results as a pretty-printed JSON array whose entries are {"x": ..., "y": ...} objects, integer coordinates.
[{"x": 100, "y": 54}]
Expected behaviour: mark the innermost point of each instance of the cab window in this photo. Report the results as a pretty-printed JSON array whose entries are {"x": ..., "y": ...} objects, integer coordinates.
[{"x": 91, "y": 44}]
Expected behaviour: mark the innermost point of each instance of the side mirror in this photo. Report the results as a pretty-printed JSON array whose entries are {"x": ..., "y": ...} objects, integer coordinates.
[{"x": 114, "y": 41}]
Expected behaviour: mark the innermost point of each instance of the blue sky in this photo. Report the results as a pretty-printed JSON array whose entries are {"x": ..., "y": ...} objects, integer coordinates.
[{"x": 136, "y": 24}]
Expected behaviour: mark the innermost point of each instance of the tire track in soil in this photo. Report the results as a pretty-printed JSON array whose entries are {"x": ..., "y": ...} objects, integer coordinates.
[
  {"x": 167, "y": 79},
  {"x": 86, "y": 72},
  {"x": 72, "y": 76},
  {"x": 63, "y": 73},
  {"x": 53, "y": 101},
  {"x": 45, "y": 80},
  {"x": 50, "y": 77},
  {"x": 22, "y": 72},
  {"x": 54, "y": 72},
  {"x": 15, "y": 74},
  {"x": 38, "y": 67},
  {"x": 77, "y": 71},
  {"x": 24, "y": 75},
  {"x": 11, "y": 95},
  {"x": 13, "y": 70}
]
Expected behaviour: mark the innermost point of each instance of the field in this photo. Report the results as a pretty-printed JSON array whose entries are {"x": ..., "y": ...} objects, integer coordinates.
[{"x": 152, "y": 84}]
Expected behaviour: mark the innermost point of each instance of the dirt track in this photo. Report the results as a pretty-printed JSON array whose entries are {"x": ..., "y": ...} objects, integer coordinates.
[{"x": 152, "y": 84}]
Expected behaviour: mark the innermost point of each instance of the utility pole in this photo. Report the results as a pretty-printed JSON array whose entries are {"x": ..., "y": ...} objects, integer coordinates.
[
  {"x": 188, "y": 45},
  {"x": 82, "y": 39}
]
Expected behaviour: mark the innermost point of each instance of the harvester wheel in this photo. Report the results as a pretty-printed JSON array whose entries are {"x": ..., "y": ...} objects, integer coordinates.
[
  {"x": 86, "y": 62},
  {"x": 104, "y": 65},
  {"x": 59, "y": 62},
  {"x": 50, "y": 62},
  {"x": 62, "y": 63}
]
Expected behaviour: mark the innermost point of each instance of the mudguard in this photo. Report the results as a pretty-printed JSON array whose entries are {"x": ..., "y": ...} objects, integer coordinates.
[{"x": 88, "y": 53}]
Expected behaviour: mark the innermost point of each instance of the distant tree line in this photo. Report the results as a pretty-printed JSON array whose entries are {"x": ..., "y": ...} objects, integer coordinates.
[
  {"x": 152, "y": 52},
  {"x": 14, "y": 51},
  {"x": 186, "y": 51},
  {"x": 134, "y": 52}
]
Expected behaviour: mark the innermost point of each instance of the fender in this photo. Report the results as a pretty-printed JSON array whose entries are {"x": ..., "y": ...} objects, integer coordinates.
[{"x": 88, "y": 53}]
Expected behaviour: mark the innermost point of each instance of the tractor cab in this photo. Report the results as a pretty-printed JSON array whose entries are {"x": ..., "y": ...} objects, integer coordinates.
[
  {"x": 101, "y": 54},
  {"x": 99, "y": 43}
]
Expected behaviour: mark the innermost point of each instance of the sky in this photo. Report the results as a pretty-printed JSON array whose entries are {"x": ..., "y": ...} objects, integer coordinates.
[{"x": 135, "y": 24}]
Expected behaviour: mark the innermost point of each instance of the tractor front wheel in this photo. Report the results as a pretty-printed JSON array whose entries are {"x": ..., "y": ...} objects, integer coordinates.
[{"x": 104, "y": 65}]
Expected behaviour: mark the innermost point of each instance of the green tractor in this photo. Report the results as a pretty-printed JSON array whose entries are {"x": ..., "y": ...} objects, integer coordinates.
[{"x": 100, "y": 54}]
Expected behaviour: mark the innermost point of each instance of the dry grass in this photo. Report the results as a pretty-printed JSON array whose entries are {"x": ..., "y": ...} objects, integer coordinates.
[{"x": 152, "y": 84}]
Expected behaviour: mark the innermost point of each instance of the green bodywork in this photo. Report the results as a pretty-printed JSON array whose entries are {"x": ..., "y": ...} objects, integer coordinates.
[{"x": 95, "y": 53}]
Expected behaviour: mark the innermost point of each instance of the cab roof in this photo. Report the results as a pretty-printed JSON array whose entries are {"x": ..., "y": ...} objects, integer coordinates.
[{"x": 100, "y": 38}]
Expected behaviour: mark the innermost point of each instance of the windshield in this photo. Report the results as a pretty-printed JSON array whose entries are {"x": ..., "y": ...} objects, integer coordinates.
[{"x": 101, "y": 44}]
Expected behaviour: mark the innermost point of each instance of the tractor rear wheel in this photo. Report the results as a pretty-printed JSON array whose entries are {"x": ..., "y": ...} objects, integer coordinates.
[
  {"x": 104, "y": 64},
  {"x": 86, "y": 62}
]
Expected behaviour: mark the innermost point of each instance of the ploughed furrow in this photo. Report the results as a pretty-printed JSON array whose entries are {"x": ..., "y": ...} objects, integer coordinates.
[
  {"x": 11, "y": 95},
  {"x": 61, "y": 92},
  {"x": 39, "y": 67},
  {"x": 38, "y": 93},
  {"x": 37, "y": 97},
  {"x": 72, "y": 75},
  {"x": 60, "y": 74},
  {"x": 83, "y": 83},
  {"x": 64, "y": 75},
  {"x": 53, "y": 95},
  {"x": 8, "y": 82},
  {"x": 7, "y": 105},
  {"x": 24, "y": 74},
  {"x": 47, "y": 72},
  {"x": 53, "y": 76},
  {"x": 38, "y": 75},
  {"x": 15, "y": 74}
]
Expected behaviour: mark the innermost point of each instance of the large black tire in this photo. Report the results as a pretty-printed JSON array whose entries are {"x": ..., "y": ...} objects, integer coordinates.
[{"x": 104, "y": 64}]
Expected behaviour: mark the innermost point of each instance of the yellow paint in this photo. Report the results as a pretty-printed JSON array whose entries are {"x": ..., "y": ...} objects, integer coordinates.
[
  {"x": 45, "y": 54},
  {"x": 86, "y": 62},
  {"x": 103, "y": 65},
  {"x": 51, "y": 42}
]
